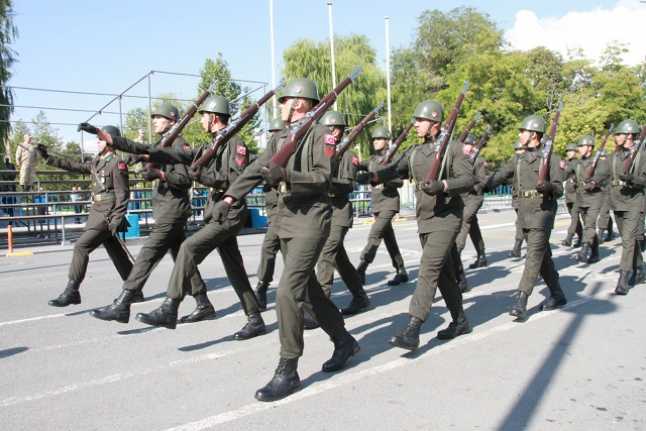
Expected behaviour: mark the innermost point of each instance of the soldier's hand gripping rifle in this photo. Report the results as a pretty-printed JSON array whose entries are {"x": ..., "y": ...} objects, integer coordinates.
[
  {"x": 280, "y": 159},
  {"x": 548, "y": 146},
  {"x": 481, "y": 143},
  {"x": 463, "y": 136},
  {"x": 589, "y": 172},
  {"x": 228, "y": 132},
  {"x": 631, "y": 165},
  {"x": 347, "y": 141},
  {"x": 397, "y": 143},
  {"x": 436, "y": 164}
]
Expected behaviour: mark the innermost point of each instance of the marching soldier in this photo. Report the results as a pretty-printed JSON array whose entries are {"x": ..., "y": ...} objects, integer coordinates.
[
  {"x": 271, "y": 243},
  {"x": 439, "y": 218},
  {"x": 519, "y": 150},
  {"x": 569, "y": 167},
  {"x": 385, "y": 205},
  {"x": 171, "y": 209},
  {"x": 589, "y": 197},
  {"x": 537, "y": 205},
  {"x": 333, "y": 254},
  {"x": 302, "y": 224},
  {"x": 628, "y": 179},
  {"x": 473, "y": 201},
  {"x": 110, "y": 192}
]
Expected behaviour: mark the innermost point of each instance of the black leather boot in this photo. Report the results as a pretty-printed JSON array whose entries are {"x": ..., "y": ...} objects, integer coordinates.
[
  {"x": 567, "y": 242},
  {"x": 137, "y": 296},
  {"x": 358, "y": 305},
  {"x": 459, "y": 326},
  {"x": 119, "y": 310},
  {"x": 284, "y": 383},
  {"x": 361, "y": 269},
  {"x": 400, "y": 277},
  {"x": 462, "y": 282},
  {"x": 203, "y": 310},
  {"x": 165, "y": 315},
  {"x": 515, "y": 252},
  {"x": 261, "y": 295},
  {"x": 409, "y": 337},
  {"x": 69, "y": 296},
  {"x": 344, "y": 348},
  {"x": 519, "y": 309},
  {"x": 584, "y": 254},
  {"x": 481, "y": 262},
  {"x": 593, "y": 257},
  {"x": 622, "y": 283},
  {"x": 556, "y": 300},
  {"x": 255, "y": 326}
]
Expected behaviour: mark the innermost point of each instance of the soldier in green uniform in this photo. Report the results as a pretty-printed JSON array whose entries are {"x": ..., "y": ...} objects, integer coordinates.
[
  {"x": 110, "y": 194},
  {"x": 627, "y": 182},
  {"x": 589, "y": 197},
  {"x": 271, "y": 243},
  {"x": 569, "y": 168},
  {"x": 473, "y": 201},
  {"x": 333, "y": 255},
  {"x": 439, "y": 218},
  {"x": 537, "y": 205},
  {"x": 385, "y": 205},
  {"x": 171, "y": 209},
  {"x": 515, "y": 252},
  {"x": 302, "y": 224}
]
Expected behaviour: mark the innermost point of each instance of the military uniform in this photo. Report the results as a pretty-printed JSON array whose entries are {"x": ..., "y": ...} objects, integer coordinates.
[
  {"x": 570, "y": 200},
  {"x": 518, "y": 234},
  {"x": 385, "y": 205},
  {"x": 604, "y": 223},
  {"x": 473, "y": 201},
  {"x": 536, "y": 213}
]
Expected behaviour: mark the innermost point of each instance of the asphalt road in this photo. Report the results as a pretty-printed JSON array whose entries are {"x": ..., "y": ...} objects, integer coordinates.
[{"x": 582, "y": 367}]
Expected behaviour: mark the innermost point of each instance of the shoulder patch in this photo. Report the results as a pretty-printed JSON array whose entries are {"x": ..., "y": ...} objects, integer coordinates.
[
  {"x": 355, "y": 160},
  {"x": 242, "y": 150},
  {"x": 330, "y": 146},
  {"x": 122, "y": 165}
]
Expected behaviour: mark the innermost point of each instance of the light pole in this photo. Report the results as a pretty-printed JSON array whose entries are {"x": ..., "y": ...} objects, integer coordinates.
[
  {"x": 331, "y": 31},
  {"x": 387, "y": 34},
  {"x": 272, "y": 43}
]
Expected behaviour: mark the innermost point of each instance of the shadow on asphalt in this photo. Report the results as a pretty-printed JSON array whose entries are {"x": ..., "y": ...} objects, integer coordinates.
[{"x": 12, "y": 351}]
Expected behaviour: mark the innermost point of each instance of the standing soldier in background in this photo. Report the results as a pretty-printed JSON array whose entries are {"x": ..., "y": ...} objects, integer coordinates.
[
  {"x": 110, "y": 193},
  {"x": 569, "y": 168},
  {"x": 171, "y": 208},
  {"x": 385, "y": 205},
  {"x": 588, "y": 197},
  {"x": 26, "y": 161},
  {"x": 473, "y": 200},
  {"x": 537, "y": 205},
  {"x": 271, "y": 243},
  {"x": 627, "y": 182},
  {"x": 439, "y": 218},
  {"x": 515, "y": 252},
  {"x": 333, "y": 254}
]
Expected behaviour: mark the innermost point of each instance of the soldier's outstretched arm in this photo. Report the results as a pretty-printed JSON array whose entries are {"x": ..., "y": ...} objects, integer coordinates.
[
  {"x": 69, "y": 165},
  {"x": 250, "y": 177},
  {"x": 394, "y": 171},
  {"x": 502, "y": 175},
  {"x": 126, "y": 145}
]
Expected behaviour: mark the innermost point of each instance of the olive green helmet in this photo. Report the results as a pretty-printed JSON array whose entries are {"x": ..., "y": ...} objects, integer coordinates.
[
  {"x": 380, "y": 132},
  {"x": 533, "y": 123},
  {"x": 628, "y": 127},
  {"x": 166, "y": 110},
  {"x": 112, "y": 130},
  {"x": 571, "y": 147},
  {"x": 215, "y": 104},
  {"x": 333, "y": 118},
  {"x": 585, "y": 141},
  {"x": 302, "y": 88},
  {"x": 276, "y": 124},
  {"x": 469, "y": 140},
  {"x": 429, "y": 110}
]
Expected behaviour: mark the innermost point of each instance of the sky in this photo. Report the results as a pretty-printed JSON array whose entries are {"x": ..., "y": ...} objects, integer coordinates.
[{"x": 105, "y": 46}]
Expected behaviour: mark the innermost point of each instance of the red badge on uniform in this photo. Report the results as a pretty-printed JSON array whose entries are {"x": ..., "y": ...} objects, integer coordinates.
[
  {"x": 330, "y": 146},
  {"x": 122, "y": 165},
  {"x": 355, "y": 161},
  {"x": 241, "y": 155}
]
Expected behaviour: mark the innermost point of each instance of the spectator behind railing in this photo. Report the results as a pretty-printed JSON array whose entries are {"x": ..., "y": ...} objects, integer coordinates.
[{"x": 26, "y": 160}]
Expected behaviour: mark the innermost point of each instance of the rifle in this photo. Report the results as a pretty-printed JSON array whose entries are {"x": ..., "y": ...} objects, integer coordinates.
[
  {"x": 633, "y": 156},
  {"x": 395, "y": 146},
  {"x": 548, "y": 145},
  {"x": 346, "y": 142},
  {"x": 228, "y": 132},
  {"x": 295, "y": 135},
  {"x": 589, "y": 172},
  {"x": 436, "y": 163},
  {"x": 481, "y": 143},
  {"x": 472, "y": 123},
  {"x": 123, "y": 246},
  {"x": 177, "y": 128}
]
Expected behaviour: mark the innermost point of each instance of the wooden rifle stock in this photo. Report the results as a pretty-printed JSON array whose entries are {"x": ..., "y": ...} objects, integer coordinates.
[
  {"x": 347, "y": 141},
  {"x": 228, "y": 132},
  {"x": 481, "y": 143},
  {"x": 436, "y": 163},
  {"x": 395, "y": 146},
  {"x": 638, "y": 148},
  {"x": 548, "y": 145},
  {"x": 298, "y": 133},
  {"x": 472, "y": 123},
  {"x": 589, "y": 173}
]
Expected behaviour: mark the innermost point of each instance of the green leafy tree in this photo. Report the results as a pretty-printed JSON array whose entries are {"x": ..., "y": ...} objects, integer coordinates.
[{"x": 8, "y": 33}]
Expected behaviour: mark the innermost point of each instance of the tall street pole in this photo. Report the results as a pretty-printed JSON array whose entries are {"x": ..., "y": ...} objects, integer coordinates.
[
  {"x": 272, "y": 43},
  {"x": 331, "y": 31},
  {"x": 388, "y": 96}
]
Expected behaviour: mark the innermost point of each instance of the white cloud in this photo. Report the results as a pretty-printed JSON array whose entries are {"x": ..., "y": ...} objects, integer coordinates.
[{"x": 590, "y": 31}]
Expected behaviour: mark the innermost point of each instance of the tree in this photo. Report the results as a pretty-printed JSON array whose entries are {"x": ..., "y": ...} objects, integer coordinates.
[{"x": 8, "y": 32}]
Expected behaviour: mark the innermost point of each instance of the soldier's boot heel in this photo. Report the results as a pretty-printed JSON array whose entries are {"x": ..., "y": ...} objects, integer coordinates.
[
  {"x": 622, "y": 283},
  {"x": 409, "y": 337},
  {"x": 399, "y": 278},
  {"x": 519, "y": 309},
  {"x": 119, "y": 310},
  {"x": 593, "y": 257},
  {"x": 203, "y": 310},
  {"x": 357, "y": 305},
  {"x": 458, "y": 327},
  {"x": 165, "y": 315},
  {"x": 137, "y": 296},
  {"x": 284, "y": 383},
  {"x": 254, "y": 327},
  {"x": 70, "y": 295},
  {"x": 261, "y": 295},
  {"x": 556, "y": 300},
  {"x": 344, "y": 348}
]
